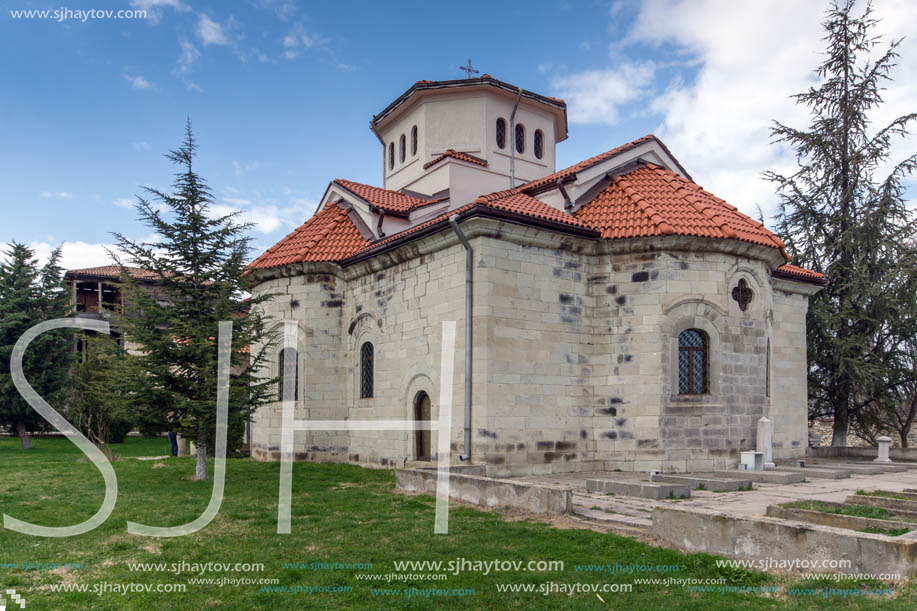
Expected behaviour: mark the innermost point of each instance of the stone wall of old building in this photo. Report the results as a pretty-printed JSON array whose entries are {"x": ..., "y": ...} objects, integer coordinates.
[{"x": 575, "y": 350}]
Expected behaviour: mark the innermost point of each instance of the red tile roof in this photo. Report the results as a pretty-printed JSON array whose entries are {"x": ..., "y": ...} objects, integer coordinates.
[
  {"x": 329, "y": 235},
  {"x": 654, "y": 201},
  {"x": 646, "y": 201},
  {"x": 455, "y": 155},
  {"x": 570, "y": 171},
  {"x": 390, "y": 201},
  {"x": 794, "y": 272},
  {"x": 113, "y": 272}
]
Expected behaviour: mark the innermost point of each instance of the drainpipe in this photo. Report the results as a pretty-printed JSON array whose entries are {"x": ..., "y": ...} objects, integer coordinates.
[
  {"x": 512, "y": 142},
  {"x": 469, "y": 268}
]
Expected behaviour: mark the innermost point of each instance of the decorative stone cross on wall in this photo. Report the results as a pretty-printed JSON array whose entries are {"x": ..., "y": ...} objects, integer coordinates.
[{"x": 742, "y": 294}]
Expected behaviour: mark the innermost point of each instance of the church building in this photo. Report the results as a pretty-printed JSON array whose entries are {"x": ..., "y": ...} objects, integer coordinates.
[{"x": 622, "y": 317}]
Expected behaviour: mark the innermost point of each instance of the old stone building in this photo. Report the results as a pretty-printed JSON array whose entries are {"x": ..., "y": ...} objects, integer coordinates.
[{"x": 623, "y": 317}]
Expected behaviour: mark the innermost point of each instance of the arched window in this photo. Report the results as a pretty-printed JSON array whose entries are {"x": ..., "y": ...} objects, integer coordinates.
[
  {"x": 692, "y": 362},
  {"x": 402, "y": 148},
  {"x": 413, "y": 141},
  {"x": 501, "y": 133},
  {"x": 520, "y": 138},
  {"x": 391, "y": 155},
  {"x": 288, "y": 355},
  {"x": 366, "y": 370},
  {"x": 539, "y": 143}
]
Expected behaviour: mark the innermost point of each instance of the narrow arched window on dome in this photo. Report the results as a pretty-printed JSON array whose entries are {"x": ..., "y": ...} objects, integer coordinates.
[
  {"x": 366, "y": 370},
  {"x": 402, "y": 148},
  {"x": 391, "y": 155},
  {"x": 539, "y": 143},
  {"x": 501, "y": 133},
  {"x": 413, "y": 141},
  {"x": 520, "y": 138}
]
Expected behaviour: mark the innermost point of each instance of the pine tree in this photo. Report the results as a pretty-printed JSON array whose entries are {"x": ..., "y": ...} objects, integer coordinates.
[
  {"x": 30, "y": 295},
  {"x": 198, "y": 260},
  {"x": 843, "y": 214}
]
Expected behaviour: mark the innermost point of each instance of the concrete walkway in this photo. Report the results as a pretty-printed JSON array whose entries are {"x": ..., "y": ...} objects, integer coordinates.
[{"x": 636, "y": 512}]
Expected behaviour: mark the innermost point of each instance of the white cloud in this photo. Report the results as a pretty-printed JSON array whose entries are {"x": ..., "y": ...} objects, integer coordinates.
[
  {"x": 189, "y": 55},
  {"x": 154, "y": 8},
  {"x": 747, "y": 60},
  {"x": 241, "y": 168},
  {"x": 56, "y": 194},
  {"x": 137, "y": 82},
  {"x": 210, "y": 32},
  {"x": 125, "y": 202},
  {"x": 594, "y": 96},
  {"x": 141, "y": 145},
  {"x": 298, "y": 40},
  {"x": 75, "y": 255}
]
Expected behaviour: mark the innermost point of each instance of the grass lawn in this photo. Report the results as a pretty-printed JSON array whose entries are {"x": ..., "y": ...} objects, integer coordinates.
[{"x": 341, "y": 514}]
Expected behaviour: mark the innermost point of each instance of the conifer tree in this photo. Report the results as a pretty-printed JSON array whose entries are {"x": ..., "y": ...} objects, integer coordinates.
[
  {"x": 843, "y": 213},
  {"x": 30, "y": 294},
  {"x": 198, "y": 260}
]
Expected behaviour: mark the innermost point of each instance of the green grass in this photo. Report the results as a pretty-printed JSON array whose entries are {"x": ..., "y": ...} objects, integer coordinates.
[
  {"x": 340, "y": 513},
  {"x": 885, "y": 494},
  {"x": 891, "y": 532},
  {"x": 859, "y": 511}
]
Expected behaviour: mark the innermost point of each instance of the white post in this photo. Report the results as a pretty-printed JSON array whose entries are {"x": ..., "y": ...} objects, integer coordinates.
[
  {"x": 884, "y": 444},
  {"x": 765, "y": 441},
  {"x": 100, "y": 297}
]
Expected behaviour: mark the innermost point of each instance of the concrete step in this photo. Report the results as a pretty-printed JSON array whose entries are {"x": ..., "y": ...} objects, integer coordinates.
[
  {"x": 771, "y": 476},
  {"x": 718, "y": 484},
  {"x": 639, "y": 489},
  {"x": 820, "y": 472},
  {"x": 854, "y": 469},
  {"x": 875, "y": 467}
]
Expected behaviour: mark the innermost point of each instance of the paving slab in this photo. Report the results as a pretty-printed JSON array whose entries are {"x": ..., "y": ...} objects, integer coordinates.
[
  {"x": 873, "y": 468},
  {"x": 708, "y": 483},
  {"x": 641, "y": 489},
  {"x": 863, "y": 469},
  {"x": 819, "y": 472},
  {"x": 771, "y": 476}
]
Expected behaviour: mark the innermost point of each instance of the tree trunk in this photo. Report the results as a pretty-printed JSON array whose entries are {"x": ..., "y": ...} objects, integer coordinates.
[
  {"x": 201, "y": 470},
  {"x": 23, "y": 435},
  {"x": 841, "y": 421}
]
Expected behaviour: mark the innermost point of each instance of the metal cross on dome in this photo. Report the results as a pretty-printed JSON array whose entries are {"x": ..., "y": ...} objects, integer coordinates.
[{"x": 469, "y": 70}]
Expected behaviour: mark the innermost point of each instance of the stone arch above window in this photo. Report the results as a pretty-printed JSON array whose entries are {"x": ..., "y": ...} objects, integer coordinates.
[
  {"x": 367, "y": 366},
  {"x": 699, "y": 315}
]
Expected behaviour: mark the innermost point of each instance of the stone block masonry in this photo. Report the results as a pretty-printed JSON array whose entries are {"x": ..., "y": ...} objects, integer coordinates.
[{"x": 575, "y": 362}]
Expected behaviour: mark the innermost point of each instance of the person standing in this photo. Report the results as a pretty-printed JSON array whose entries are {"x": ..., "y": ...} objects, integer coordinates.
[{"x": 173, "y": 437}]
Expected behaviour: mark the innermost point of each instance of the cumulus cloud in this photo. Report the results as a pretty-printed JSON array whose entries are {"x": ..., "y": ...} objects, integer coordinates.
[
  {"x": 75, "y": 255},
  {"x": 210, "y": 32},
  {"x": 299, "y": 40},
  {"x": 594, "y": 96},
  {"x": 125, "y": 202},
  {"x": 137, "y": 82},
  {"x": 746, "y": 60},
  {"x": 266, "y": 218},
  {"x": 154, "y": 8}
]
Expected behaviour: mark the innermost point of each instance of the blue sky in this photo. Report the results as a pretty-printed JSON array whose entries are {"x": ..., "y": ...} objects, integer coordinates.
[{"x": 280, "y": 94}]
